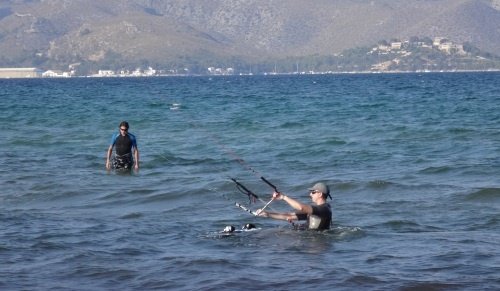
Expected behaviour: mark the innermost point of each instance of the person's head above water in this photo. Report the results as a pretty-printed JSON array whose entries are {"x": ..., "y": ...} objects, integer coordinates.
[{"x": 321, "y": 188}]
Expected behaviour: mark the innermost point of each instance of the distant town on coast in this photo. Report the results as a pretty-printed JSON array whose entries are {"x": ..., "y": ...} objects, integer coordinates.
[{"x": 416, "y": 54}]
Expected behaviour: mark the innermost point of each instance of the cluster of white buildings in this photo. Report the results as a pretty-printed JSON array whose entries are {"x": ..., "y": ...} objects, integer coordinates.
[
  {"x": 57, "y": 74},
  {"x": 220, "y": 71},
  {"x": 400, "y": 48},
  {"x": 149, "y": 72},
  {"x": 6, "y": 73},
  {"x": 440, "y": 43}
]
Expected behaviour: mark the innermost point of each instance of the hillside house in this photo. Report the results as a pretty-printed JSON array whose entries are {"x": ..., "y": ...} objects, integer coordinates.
[
  {"x": 449, "y": 48},
  {"x": 437, "y": 41},
  {"x": 396, "y": 45}
]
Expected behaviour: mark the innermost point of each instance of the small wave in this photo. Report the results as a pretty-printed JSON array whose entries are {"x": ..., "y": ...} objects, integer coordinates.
[
  {"x": 163, "y": 197},
  {"x": 493, "y": 222},
  {"x": 380, "y": 258},
  {"x": 361, "y": 280},
  {"x": 436, "y": 170},
  {"x": 460, "y": 130},
  {"x": 44, "y": 245},
  {"x": 291, "y": 124},
  {"x": 132, "y": 215},
  {"x": 186, "y": 262},
  {"x": 333, "y": 142},
  {"x": 379, "y": 184},
  {"x": 484, "y": 195},
  {"x": 142, "y": 191},
  {"x": 156, "y": 104},
  {"x": 175, "y": 106},
  {"x": 408, "y": 226},
  {"x": 432, "y": 286},
  {"x": 161, "y": 159},
  {"x": 347, "y": 232},
  {"x": 345, "y": 186}
]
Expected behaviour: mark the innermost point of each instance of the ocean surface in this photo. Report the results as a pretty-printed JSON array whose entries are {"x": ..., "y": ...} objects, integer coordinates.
[{"x": 413, "y": 161}]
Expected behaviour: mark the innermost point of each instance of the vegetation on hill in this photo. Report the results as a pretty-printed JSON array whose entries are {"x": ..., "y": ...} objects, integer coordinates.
[{"x": 413, "y": 55}]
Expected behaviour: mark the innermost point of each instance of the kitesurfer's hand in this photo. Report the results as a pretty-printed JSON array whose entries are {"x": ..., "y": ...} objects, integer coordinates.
[
  {"x": 261, "y": 212},
  {"x": 278, "y": 196}
]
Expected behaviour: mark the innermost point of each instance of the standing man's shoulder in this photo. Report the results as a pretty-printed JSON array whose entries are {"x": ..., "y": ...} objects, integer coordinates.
[
  {"x": 114, "y": 137},
  {"x": 132, "y": 138}
]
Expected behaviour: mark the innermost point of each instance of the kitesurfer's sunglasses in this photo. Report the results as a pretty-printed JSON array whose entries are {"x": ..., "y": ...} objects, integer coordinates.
[
  {"x": 314, "y": 192},
  {"x": 124, "y": 129}
]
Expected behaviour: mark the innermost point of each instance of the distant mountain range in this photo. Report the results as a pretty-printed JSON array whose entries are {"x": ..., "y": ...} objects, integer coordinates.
[{"x": 195, "y": 34}]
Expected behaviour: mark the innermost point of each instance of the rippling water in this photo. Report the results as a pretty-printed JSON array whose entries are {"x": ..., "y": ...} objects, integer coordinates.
[{"x": 413, "y": 161}]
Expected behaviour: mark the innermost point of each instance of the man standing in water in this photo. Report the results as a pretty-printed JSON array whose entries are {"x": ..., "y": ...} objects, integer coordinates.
[
  {"x": 318, "y": 216},
  {"x": 126, "y": 146}
]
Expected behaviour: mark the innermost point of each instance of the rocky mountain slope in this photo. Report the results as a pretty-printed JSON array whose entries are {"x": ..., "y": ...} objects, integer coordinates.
[{"x": 180, "y": 33}]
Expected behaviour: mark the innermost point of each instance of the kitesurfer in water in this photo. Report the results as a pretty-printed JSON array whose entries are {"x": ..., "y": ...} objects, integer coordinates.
[
  {"x": 127, "y": 153},
  {"x": 318, "y": 215}
]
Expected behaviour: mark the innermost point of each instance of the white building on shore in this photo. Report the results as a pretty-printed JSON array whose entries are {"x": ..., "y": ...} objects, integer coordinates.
[
  {"x": 7, "y": 73},
  {"x": 56, "y": 74}
]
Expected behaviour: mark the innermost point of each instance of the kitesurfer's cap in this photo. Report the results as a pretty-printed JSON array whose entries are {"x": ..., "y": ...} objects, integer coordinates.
[{"x": 321, "y": 187}]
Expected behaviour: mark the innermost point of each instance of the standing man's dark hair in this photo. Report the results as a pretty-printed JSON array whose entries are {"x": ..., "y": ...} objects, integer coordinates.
[
  {"x": 127, "y": 153},
  {"x": 124, "y": 124}
]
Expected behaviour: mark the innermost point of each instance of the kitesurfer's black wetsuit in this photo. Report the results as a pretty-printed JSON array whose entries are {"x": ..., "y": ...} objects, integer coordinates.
[{"x": 320, "y": 219}]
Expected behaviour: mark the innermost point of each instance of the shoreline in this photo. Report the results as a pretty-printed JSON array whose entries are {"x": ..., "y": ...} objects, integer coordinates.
[{"x": 267, "y": 74}]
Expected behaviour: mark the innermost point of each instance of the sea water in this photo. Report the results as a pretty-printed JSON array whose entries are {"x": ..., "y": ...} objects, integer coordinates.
[{"x": 413, "y": 161}]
